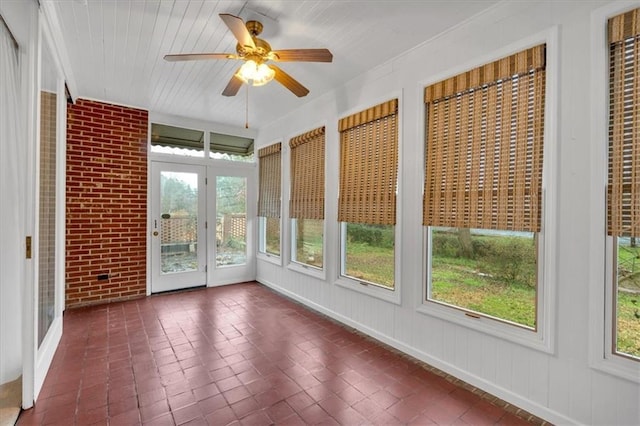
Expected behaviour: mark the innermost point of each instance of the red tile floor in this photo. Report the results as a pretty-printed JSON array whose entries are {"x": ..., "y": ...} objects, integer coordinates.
[{"x": 242, "y": 355}]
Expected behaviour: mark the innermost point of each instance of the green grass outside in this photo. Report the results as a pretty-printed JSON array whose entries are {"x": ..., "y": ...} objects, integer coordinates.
[
  {"x": 628, "y": 338},
  {"x": 455, "y": 281},
  {"x": 309, "y": 240},
  {"x": 272, "y": 242},
  {"x": 628, "y": 304},
  {"x": 474, "y": 285},
  {"x": 370, "y": 263}
]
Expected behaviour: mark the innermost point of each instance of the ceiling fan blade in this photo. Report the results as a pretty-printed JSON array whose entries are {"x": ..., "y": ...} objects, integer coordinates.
[
  {"x": 302, "y": 55},
  {"x": 289, "y": 82},
  {"x": 198, "y": 56},
  {"x": 233, "y": 86},
  {"x": 239, "y": 29}
]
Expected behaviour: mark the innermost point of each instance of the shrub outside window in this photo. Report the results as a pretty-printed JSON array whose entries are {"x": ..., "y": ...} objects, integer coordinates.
[
  {"x": 483, "y": 188},
  {"x": 485, "y": 271}
]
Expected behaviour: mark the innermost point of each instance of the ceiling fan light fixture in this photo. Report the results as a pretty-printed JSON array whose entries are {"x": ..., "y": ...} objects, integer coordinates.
[
  {"x": 255, "y": 53},
  {"x": 255, "y": 74}
]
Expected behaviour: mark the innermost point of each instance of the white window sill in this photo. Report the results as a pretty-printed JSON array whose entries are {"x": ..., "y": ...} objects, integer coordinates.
[
  {"x": 312, "y": 271},
  {"x": 494, "y": 327},
  {"x": 270, "y": 258},
  {"x": 388, "y": 295},
  {"x": 618, "y": 366}
]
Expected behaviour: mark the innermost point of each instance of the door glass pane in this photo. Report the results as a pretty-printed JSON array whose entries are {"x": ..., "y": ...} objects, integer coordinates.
[
  {"x": 47, "y": 219},
  {"x": 231, "y": 220},
  {"x": 179, "y": 221}
]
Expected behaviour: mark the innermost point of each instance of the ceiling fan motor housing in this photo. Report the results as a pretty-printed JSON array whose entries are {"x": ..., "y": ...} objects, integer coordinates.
[
  {"x": 259, "y": 54},
  {"x": 254, "y": 27}
]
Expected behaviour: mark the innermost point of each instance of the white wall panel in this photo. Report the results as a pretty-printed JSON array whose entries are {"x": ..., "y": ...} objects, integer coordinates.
[
  {"x": 489, "y": 351},
  {"x": 580, "y": 393},
  {"x": 503, "y": 362},
  {"x": 627, "y": 402},
  {"x": 538, "y": 377},
  {"x": 475, "y": 362},
  {"x": 560, "y": 386},
  {"x": 520, "y": 375}
]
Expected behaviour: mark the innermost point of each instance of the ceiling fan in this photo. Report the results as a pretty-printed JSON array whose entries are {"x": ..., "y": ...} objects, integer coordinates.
[{"x": 255, "y": 53}]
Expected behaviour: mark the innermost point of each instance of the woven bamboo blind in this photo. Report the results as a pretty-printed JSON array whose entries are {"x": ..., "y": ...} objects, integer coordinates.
[
  {"x": 623, "y": 194},
  {"x": 307, "y": 175},
  {"x": 269, "y": 184},
  {"x": 484, "y": 146},
  {"x": 369, "y": 165}
]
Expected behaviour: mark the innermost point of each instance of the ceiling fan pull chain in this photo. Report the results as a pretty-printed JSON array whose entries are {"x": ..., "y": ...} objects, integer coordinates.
[{"x": 246, "y": 121}]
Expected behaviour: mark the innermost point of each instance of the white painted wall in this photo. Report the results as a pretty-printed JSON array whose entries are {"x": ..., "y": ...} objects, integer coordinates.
[{"x": 562, "y": 387}]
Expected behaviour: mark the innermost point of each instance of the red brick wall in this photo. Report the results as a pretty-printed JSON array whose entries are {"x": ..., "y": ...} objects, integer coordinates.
[{"x": 106, "y": 203}]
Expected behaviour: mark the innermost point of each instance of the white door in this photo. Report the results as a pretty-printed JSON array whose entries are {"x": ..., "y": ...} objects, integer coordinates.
[
  {"x": 178, "y": 226},
  {"x": 231, "y": 190}
]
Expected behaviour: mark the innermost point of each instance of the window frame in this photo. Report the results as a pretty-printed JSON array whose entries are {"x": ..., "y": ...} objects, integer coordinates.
[
  {"x": 372, "y": 289},
  {"x": 602, "y": 354},
  {"x": 305, "y": 268},
  {"x": 377, "y": 291},
  {"x": 262, "y": 254},
  {"x": 262, "y": 242},
  {"x": 542, "y": 337},
  {"x": 295, "y": 265}
]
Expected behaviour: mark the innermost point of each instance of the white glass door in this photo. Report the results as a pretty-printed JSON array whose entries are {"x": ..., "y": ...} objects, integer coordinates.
[
  {"x": 178, "y": 227},
  {"x": 231, "y": 189}
]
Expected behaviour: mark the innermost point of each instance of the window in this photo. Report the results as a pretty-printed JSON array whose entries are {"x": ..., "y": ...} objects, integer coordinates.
[
  {"x": 367, "y": 199},
  {"x": 231, "y": 148},
  {"x": 269, "y": 199},
  {"x": 623, "y": 184},
  {"x": 177, "y": 141},
  {"x": 231, "y": 220},
  {"x": 306, "y": 208},
  {"x": 483, "y": 189}
]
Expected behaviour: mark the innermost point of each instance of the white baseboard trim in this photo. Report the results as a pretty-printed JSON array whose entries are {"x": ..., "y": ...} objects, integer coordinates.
[{"x": 490, "y": 387}]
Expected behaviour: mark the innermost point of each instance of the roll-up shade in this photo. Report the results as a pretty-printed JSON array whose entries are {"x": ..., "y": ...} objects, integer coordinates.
[
  {"x": 623, "y": 191},
  {"x": 369, "y": 165},
  {"x": 484, "y": 145},
  {"x": 269, "y": 184},
  {"x": 307, "y": 175}
]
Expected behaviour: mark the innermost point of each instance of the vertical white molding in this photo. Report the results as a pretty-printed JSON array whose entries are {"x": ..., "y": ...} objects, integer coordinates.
[{"x": 30, "y": 59}]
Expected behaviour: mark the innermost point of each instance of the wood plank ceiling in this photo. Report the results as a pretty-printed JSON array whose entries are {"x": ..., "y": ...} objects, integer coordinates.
[{"x": 115, "y": 48}]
